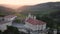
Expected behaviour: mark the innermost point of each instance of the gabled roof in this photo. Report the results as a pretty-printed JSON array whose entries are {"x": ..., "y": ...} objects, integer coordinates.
[
  {"x": 10, "y": 16},
  {"x": 35, "y": 21}
]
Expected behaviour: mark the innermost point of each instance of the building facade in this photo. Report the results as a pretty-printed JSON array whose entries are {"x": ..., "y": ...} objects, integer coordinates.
[
  {"x": 34, "y": 24},
  {"x": 6, "y": 21}
]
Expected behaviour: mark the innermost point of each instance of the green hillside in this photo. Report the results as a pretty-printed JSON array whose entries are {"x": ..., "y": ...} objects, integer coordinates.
[{"x": 48, "y": 12}]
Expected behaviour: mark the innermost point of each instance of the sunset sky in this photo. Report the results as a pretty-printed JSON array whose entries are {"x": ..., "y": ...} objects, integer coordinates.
[{"x": 25, "y": 2}]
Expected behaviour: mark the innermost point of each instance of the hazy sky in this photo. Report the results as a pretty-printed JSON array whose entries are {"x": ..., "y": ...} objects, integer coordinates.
[{"x": 25, "y": 2}]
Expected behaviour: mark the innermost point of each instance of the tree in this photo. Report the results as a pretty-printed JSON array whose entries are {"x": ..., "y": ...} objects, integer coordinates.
[
  {"x": 11, "y": 30},
  {"x": 17, "y": 20},
  {"x": 45, "y": 19}
]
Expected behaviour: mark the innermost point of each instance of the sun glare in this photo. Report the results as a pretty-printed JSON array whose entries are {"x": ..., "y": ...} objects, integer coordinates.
[{"x": 25, "y": 2}]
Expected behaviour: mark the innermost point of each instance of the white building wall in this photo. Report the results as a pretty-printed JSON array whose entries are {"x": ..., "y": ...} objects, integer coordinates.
[
  {"x": 23, "y": 30},
  {"x": 6, "y": 19},
  {"x": 44, "y": 27},
  {"x": 55, "y": 31},
  {"x": 35, "y": 27},
  {"x": 39, "y": 27},
  {"x": 9, "y": 23},
  {"x": 27, "y": 25},
  {"x": 3, "y": 27}
]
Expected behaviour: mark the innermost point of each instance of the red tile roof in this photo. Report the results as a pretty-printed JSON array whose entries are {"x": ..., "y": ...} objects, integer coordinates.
[{"x": 35, "y": 21}]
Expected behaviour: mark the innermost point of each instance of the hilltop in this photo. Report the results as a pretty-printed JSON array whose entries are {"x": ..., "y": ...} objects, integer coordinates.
[
  {"x": 5, "y": 10},
  {"x": 44, "y": 8}
]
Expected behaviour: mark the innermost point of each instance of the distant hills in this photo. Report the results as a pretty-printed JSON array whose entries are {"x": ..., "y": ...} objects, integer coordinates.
[
  {"x": 41, "y": 9},
  {"x": 44, "y": 8},
  {"x": 10, "y": 6},
  {"x": 48, "y": 12},
  {"x": 4, "y": 10}
]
